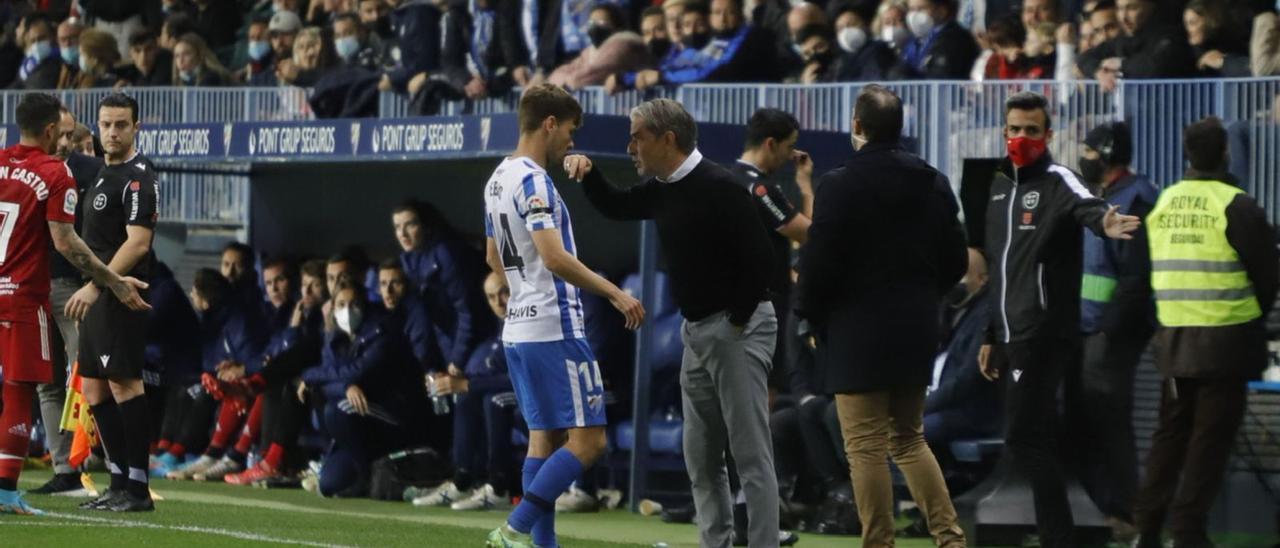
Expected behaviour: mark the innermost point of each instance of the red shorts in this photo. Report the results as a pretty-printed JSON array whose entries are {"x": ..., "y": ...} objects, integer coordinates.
[{"x": 26, "y": 350}]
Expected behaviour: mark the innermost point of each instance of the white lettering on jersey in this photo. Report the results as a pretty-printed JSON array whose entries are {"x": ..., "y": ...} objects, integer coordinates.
[{"x": 520, "y": 199}]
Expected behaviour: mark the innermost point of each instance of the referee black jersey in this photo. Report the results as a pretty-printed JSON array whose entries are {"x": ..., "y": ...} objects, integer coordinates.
[
  {"x": 122, "y": 195},
  {"x": 776, "y": 211}
]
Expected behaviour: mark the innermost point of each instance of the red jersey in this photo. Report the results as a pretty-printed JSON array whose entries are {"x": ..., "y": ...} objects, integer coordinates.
[{"x": 35, "y": 188}]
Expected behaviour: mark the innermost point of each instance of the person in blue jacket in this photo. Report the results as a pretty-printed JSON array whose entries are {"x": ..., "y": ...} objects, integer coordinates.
[
  {"x": 447, "y": 275},
  {"x": 232, "y": 336},
  {"x": 411, "y": 313},
  {"x": 961, "y": 404},
  {"x": 173, "y": 349},
  {"x": 370, "y": 391},
  {"x": 1117, "y": 319},
  {"x": 733, "y": 51},
  {"x": 481, "y": 429}
]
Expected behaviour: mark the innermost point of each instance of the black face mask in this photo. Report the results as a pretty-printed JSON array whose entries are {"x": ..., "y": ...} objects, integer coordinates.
[
  {"x": 727, "y": 33},
  {"x": 822, "y": 59},
  {"x": 381, "y": 27},
  {"x": 658, "y": 48},
  {"x": 1092, "y": 170},
  {"x": 696, "y": 41},
  {"x": 598, "y": 34}
]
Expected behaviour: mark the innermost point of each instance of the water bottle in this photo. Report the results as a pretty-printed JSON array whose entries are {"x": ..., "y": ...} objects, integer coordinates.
[{"x": 439, "y": 403}]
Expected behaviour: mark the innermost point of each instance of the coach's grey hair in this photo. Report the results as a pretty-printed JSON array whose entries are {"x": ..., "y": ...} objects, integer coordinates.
[{"x": 662, "y": 115}]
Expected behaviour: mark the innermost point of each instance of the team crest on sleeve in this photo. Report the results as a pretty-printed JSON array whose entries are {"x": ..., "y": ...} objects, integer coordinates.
[
  {"x": 69, "y": 202},
  {"x": 760, "y": 190},
  {"x": 135, "y": 186}
]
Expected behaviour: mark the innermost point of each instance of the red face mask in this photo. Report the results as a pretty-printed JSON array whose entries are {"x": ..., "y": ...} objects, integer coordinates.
[{"x": 1024, "y": 151}]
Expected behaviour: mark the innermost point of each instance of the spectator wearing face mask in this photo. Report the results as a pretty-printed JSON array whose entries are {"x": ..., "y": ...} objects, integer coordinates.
[
  {"x": 368, "y": 388},
  {"x": 860, "y": 58},
  {"x": 98, "y": 57},
  {"x": 256, "y": 57},
  {"x": 373, "y": 17},
  {"x": 732, "y": 51},
  {"x": 352, "y": 44},
  {"x": 194, "y": 64},
  {"x": 612, "y": 50},
  {"x": 656, "y": 34},
  {"x": 282, "y": 31},
  {"x": 941, "y": 49},
  {"x": 41, "y": 66},
  {"x": 804, "y": 15},
  {"x": 890, "y": 24}
]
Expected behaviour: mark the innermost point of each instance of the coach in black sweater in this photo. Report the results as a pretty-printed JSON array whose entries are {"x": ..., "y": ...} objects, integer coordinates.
[{"x": 720, "y": 259}]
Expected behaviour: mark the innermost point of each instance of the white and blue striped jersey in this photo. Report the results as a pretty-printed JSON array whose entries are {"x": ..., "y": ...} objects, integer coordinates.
[{"x": 520, "y": 199}]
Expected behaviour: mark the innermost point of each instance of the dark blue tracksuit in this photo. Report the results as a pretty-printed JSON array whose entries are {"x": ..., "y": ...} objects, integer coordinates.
[
  {"x": 173, "y": 331},
  {"x": 964, "y": 404},
  {"x": 416, "y": 23},
  {"x": 379, "y": 361},
  {"x": 475, "y": 413},
  {"x": 411, "y": 312},
  {"x": 449, "y": 276},
  {"x": 231, "y": 332}
]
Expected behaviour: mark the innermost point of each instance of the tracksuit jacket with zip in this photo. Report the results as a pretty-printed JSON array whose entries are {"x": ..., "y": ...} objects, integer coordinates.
[{"x": 1033, "y": 247}]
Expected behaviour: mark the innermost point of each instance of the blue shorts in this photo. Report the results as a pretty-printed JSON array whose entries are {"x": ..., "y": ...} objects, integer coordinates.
[{"x": 557, "y": 383}]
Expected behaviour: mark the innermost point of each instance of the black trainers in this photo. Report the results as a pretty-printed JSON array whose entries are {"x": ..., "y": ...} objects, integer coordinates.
[
  {"x": 62, "y": 485},
  {"x": 129, "y": 502},
  {"x": 104, "y": 499}
]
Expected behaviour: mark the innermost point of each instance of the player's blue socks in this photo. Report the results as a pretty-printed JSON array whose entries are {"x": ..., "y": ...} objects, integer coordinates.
[
  {"x": 544, "y": 530},
  {"x": 539, "y": 501}
]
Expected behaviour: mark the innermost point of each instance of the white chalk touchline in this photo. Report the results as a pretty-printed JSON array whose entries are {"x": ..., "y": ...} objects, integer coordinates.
[{"x": 242, "y": 535}]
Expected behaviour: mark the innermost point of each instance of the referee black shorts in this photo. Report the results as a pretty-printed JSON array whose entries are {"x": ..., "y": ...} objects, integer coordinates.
[{"x": 113, "y": 340}]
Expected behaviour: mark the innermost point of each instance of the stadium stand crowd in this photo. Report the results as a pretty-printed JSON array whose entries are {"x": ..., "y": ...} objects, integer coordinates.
[
  {"x": 432, "y": 51},
  {"x": 348, "y": 375}
]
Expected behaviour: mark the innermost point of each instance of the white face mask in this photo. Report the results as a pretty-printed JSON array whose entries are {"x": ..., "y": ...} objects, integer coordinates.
[
  {"x": 348, "y": 319},
  {"x": 852, "y": 39},
  {"x": 894, "y": 36},
  {"x": 857, "y": 141},
  {"x": 40, "y": 50},
  {"x": 920, "y": 23}
]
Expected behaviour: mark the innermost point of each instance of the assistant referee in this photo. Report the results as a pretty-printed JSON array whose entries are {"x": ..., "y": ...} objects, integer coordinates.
[{"x": 120, "y": 213}]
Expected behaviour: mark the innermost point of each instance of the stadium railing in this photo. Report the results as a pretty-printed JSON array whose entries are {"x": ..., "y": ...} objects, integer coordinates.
[{"x": 945, "y": 122}]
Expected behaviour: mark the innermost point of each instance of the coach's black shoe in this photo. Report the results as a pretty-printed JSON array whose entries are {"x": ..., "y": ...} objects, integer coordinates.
[
  {"x": 130, "y": 503},
  {"x": 62, "y": 485},
  {"x": 99, "y": 503}
]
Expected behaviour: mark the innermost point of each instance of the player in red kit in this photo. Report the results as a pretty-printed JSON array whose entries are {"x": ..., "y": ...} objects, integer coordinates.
[{"x": 37, "y": 203}]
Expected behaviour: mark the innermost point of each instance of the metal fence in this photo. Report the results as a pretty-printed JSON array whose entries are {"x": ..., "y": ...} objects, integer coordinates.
[{"x": 946, "y": 122}]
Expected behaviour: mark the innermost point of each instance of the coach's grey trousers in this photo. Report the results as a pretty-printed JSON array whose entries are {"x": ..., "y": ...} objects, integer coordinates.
[
  {"x": 54, "y": 394},
  {"x": 724, "y": 380}
]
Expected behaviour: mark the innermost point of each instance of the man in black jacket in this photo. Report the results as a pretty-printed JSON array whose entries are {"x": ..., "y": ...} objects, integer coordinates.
[
  {"x": 1146, "y": 49},
  {"x": 719, "y": 260},
  {"x": 876, "y": 318},
  {"x": 1033, "y": 243}
]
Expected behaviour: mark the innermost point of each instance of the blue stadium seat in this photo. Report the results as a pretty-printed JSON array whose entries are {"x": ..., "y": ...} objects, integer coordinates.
[
  {"x": 666, "y": 302},
  {"x": 666, "y": 437}
]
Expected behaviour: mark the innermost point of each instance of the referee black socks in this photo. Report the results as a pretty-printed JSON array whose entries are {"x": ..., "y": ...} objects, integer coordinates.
[
  {"x": 111, "y": 431},
  {"x": 137, "y": 444}
]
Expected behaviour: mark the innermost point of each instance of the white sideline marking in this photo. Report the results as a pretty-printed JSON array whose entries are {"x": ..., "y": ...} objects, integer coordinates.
[{"x": 241, "y": 535}]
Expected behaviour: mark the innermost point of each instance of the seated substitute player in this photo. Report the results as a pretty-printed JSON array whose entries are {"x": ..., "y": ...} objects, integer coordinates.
[
  {"x": 556, "y": 378},
  {"x": 36, "y": 191}
]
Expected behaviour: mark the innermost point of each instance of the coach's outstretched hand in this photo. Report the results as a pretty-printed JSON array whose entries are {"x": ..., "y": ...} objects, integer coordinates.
[
  {"x": 630, "y": 307},
  {"x": 1120, "y": 227},
  {"x": 577, "y": 166}
]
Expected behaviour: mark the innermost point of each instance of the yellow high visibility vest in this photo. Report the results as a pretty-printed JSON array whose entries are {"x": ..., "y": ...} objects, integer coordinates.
[{"x": 1196, "y": 275}]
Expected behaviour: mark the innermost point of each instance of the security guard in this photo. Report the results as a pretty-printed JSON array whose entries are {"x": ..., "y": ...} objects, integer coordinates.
[
  {"x": 1117, "y": 318},
  {"x": 1214, "y": 273}
]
